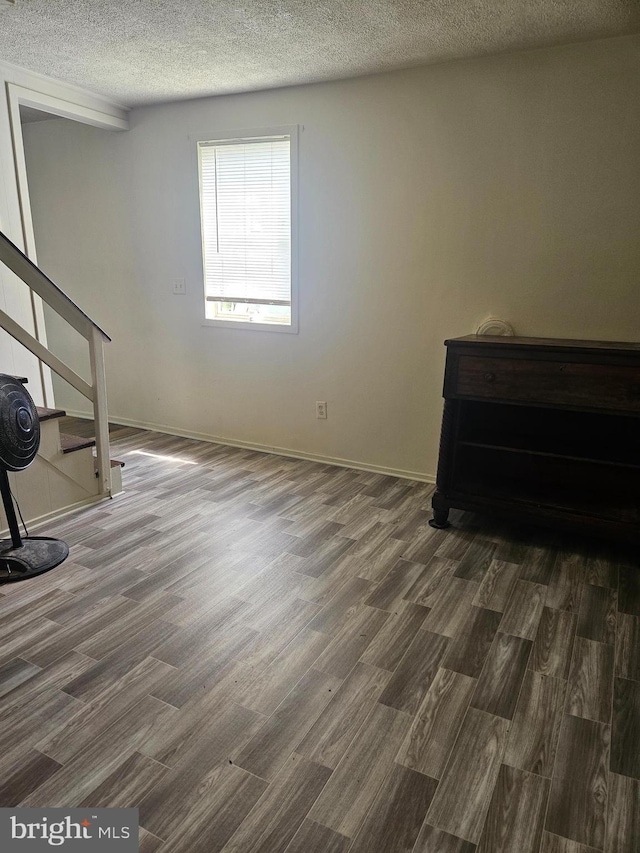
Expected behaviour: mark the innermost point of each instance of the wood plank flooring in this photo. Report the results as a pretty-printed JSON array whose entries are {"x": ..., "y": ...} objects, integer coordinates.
[{"x": 268, "y": 655}]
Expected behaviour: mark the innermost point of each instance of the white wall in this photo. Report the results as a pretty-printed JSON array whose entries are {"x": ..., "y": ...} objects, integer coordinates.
[
  {"x": 15, "y": 297},
  {"x": 429, "y": 199},
  {"x": 15, "y": 221}
]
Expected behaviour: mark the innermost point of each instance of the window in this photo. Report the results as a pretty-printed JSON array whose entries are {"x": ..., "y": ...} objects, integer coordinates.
[{"x": 247, "y": 208}]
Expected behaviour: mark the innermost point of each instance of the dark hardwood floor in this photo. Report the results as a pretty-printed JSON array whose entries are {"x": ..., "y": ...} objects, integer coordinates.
[{"x": 265, "y": 655}]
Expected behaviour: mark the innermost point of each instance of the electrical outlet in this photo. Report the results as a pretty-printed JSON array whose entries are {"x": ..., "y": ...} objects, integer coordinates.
[
  {"x": 321, "y": 409},
  {"x": 179, "y": 286}
]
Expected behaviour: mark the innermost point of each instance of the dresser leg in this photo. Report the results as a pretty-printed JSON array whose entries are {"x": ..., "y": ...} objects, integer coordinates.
[{"x": 440, "y": 518}]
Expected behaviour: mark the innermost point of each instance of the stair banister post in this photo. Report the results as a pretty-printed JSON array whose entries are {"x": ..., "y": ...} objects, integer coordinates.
[{"x": 99, "y": 382}]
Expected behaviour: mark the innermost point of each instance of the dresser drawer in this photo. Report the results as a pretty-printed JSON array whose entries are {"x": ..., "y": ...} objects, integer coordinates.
[{"x": 600, "y": 386}]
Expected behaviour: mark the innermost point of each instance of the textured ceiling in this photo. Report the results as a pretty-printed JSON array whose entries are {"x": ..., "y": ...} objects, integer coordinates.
[{"x": 145, "y": 51}]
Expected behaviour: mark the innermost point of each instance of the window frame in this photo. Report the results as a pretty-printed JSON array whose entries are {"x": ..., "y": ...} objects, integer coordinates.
[{"x": 292, "y": 131}]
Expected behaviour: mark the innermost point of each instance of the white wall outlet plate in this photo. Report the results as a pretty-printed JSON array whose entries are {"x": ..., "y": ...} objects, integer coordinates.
[
  {"x": 321, "y": 409},
  {"x": 179, "y": 286}
]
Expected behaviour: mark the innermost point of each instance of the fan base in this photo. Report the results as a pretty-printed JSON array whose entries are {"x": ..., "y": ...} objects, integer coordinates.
[{"x": 37, "y": 555}]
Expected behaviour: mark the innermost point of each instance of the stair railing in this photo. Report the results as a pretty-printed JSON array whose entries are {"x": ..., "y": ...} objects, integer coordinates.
[{"x": 96, "y": 392}]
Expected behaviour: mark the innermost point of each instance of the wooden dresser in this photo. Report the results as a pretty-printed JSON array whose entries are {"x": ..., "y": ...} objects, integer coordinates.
[{"x": 542, "y": 429}]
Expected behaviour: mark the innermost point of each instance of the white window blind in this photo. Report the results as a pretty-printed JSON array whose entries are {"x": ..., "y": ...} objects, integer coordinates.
[{"x": 245, "y": 188}]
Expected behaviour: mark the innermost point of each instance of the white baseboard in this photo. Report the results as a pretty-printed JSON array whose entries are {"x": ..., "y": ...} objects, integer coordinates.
[
  {"x": 57, "y": 514},
  {"x": 263, "y": 448}
]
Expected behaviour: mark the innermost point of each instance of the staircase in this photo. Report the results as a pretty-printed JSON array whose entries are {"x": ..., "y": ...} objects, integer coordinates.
[
  {"x": 66, "y": 473},
  {"x": 75, "y": 443},
  {"x": 63, "y": 476}
]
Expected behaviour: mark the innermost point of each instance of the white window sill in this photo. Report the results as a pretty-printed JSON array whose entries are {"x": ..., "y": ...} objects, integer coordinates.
[{"x": 252, "y": 327}]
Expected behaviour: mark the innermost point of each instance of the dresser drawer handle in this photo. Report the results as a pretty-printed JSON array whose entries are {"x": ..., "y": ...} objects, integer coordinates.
[{"x": 490, "y": 377}]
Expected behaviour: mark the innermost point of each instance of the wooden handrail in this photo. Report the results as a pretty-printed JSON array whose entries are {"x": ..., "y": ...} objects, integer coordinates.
[
  {"x": 47, "y": 290},
  {"x": 40, "y": 351},
  {"x": 66, "y": 308}
]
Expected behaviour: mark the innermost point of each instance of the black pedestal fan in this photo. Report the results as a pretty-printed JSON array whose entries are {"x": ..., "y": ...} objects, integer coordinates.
[{"x": 21, "y": 558}]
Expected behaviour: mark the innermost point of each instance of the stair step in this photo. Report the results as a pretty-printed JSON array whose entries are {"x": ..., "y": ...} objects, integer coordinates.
[
  {"x": 114, "y": 463},
  {"x": 45, "y": 414},
  {"x": 70, "y": 443}
]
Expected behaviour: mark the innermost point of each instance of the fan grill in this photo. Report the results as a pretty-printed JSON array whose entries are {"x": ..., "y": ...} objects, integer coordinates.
[
  {"x": 21, "y": 559},
  {"x": 19, "y": 426}
]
